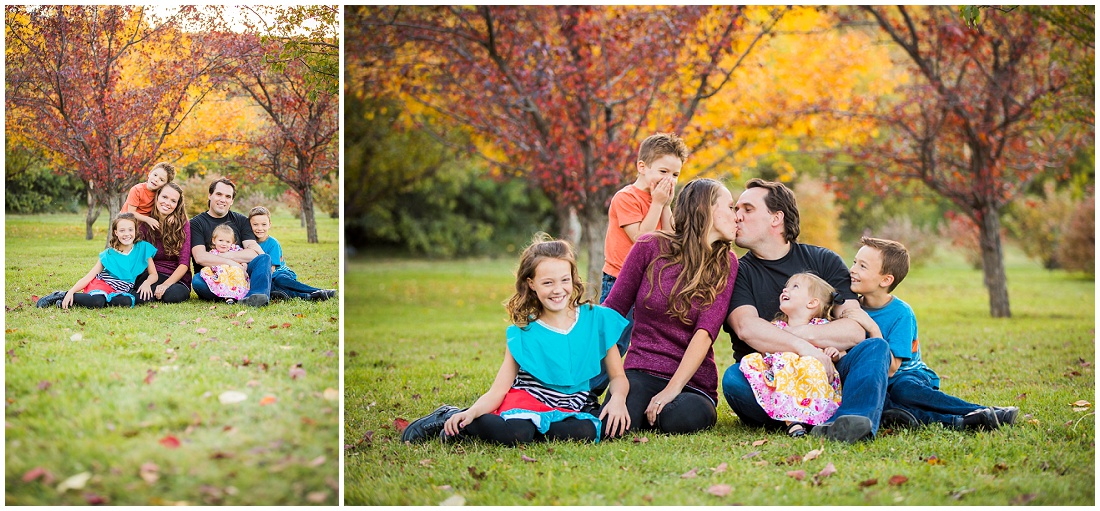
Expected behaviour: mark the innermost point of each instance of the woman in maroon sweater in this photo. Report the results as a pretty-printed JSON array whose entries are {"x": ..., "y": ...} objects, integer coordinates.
[
  {"x": 679, "y": 285},
  {"x": 173, "y": 241}
]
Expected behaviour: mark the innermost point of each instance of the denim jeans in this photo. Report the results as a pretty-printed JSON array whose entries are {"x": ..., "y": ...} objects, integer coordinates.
[
  {"x": 600, "y": 382},
  {"x": 862, "y": 374},
  {"x": 259, "y": 279},
  {"x": 286, "y": 281},
  {"x": 914, "y": 392}
]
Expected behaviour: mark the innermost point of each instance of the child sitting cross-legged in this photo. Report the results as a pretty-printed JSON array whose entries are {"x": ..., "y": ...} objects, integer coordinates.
[{"x": 913, "y": 395}]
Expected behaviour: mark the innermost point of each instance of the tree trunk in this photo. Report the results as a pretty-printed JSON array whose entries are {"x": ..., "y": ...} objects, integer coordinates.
[
  {"x": 93, "y": 210},
  {"x": 307, "y": 214},
  {"x": 593, "y": 231},
  {"x": 993, "y": 264},
  {"x": 569, "y": 225},
  {"x": 114, "y": 206}
]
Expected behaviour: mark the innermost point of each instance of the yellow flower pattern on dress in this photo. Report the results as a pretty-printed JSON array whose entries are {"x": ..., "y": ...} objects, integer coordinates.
[{"x": 792, "y": 388}]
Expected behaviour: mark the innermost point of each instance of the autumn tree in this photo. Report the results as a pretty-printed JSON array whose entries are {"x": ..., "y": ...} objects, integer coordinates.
[
  {"x": 561, "y": 95},
  {"x": 976, "y": 124},
  {"x": 102, "y": 88},
  {"x": 296, "y": 144}
]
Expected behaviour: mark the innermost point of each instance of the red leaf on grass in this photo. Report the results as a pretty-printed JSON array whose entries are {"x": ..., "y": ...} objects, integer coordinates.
[
  {"x": 149, "y": 375},
  {"x": 825, "y": 472},
  {"x": 720, "y": 468},
  {"x": 640, "y": 440},
  {"x": 869, "y": 482},
  {"x": 286, "y": 325},
  {"x": 170, "y": 442},
  {"x": 898, "y": 480},
  {"x": 297, "y": 372},
  {"x": 720, "y": 490},
  {"x": 689, "y": 474},
  {"x": 95, "y": 499},
  {"x": 268, "y": 399},
  {"x": 44, "y": 384},
  {"x": 36, "y": 472},
  {"x": 526, "y": 458},
  {"x": 400, "y": 424},
  {"x": 475, "y": 474},
  {"x": 797, "y": 474},
  {"x": 758, "y": 443}
]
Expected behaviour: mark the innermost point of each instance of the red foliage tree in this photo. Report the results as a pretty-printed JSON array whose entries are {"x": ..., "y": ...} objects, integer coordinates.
[
  {"x": 563, "y": 93},
  {"x": 103, "y": 88},
  {"x": 297, "y": 143},
  {"x": 978, "y": 124}
]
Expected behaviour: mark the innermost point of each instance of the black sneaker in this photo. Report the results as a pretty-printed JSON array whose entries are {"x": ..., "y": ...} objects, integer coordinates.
[
  {"x": 279, "y": 295},
  {"x": 256, "y": 300},
  {"x": 846, "y": 428},
  {"x": 448, "y": 439},
  {"x": 897, "y": 418},
  {"x": 50, "y": 300},
  {"x": 1006, "y": 415},
  {"x": 429, "y": 425},
  {"x": 982, "y": 419},
  {"x": 322, "y": 294}
]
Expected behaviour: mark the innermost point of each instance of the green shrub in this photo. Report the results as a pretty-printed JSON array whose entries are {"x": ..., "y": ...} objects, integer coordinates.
[{"x": 36, "y": 188}]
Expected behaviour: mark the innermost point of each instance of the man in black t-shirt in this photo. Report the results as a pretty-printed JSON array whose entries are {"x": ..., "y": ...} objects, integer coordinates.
[
  {"x": 768, "y": 225},
  {"x": 256, "y": 263}
]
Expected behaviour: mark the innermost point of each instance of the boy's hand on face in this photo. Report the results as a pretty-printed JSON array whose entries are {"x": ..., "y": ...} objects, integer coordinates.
[{"x": 663, "y": 190}]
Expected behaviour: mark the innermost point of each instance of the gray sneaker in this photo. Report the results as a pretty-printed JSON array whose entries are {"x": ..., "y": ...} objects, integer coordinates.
[
  {"x": 846, "y": 428},
  {"x": 981, "y": 419},
  {"x": 50, "y": 299},
  {"x": 256, "y": 300},
  {"x": 429, "y": 425},
  {"x": 1006, "y": 415}
]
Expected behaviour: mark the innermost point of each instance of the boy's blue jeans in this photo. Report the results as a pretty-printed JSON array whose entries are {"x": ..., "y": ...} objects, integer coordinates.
[
  {"x": 862, "y": 374},
  {"x": 286, "y": 281},
  {"x": 914, "y": 392},
  {"x": 599, "y": 383},
  {"x": 259, "y": 279}
]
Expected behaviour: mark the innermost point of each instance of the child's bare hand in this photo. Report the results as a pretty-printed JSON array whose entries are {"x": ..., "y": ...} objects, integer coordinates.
[
  {"x": 152, "y": 223},
  {"x": 458, "y": 421},
  {"x": 67, "y": 301},
  {"x": 145, "y": 292},
  {"x": 833, "y": 353},
  {"x": 616, "y": 418},
  {"x": 662, "y": 191}
]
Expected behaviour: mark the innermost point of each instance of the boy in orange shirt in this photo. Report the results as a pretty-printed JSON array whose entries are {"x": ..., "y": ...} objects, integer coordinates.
[
  {"x": 637, "y": 209},
  {"x": 140, "y": 199}
]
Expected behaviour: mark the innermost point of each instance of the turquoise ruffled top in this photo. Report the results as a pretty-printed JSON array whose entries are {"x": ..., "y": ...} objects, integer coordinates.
[
  {"x": 128, "y": 266},
  {"x": 566, "y": 361}
]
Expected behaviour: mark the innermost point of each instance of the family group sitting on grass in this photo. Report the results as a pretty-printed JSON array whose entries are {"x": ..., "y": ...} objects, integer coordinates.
[
  {"x": 671, "y": 283},
  {"x": 153, "y": 246}
]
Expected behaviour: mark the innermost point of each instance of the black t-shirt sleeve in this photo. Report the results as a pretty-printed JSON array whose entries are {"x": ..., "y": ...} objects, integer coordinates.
[{"x": 200, "y": 230}]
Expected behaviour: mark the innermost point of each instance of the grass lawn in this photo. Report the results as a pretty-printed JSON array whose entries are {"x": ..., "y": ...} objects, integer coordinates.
[
  {"x": 123, "y": 406},
  {"x": 419, "y": 334}
]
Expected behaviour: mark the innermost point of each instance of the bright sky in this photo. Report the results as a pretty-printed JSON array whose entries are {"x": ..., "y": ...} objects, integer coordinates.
[{"x": 233, "y": 15}]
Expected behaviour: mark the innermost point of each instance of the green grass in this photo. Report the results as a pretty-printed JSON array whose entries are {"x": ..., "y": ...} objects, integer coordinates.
[
  {"x": 84, "y": 406},
  {"x": 418, "y": 334}
]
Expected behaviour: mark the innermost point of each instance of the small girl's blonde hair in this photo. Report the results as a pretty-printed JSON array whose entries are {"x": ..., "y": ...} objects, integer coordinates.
[
  {"x": 223, "y": 229},
  {"x": 818, "y": 288}
]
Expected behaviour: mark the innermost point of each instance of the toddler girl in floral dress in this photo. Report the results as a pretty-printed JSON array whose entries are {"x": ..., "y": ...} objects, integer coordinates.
[
  {"x": 228, "y": 281},
  {"x": 790, "y": 388}
]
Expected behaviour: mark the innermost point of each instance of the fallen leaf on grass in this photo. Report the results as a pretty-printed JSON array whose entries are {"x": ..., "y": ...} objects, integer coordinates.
[
  {"x": 720, "y": 468},
  {"x": 331, "y": 394},
  {"x": 797, "y": 474},
  {"x": 232, "y": 396},
  {"x": 318, "y": 461},
  {"x": 812, "y": 454},
  {"x": 933, "y": 460},
  {"x": 958, "y": 495},
  {"x": 752, "y": 454},
  {"x": 1081, "y": 403},
  {"x": 317, "y": 497},
  {"x": 149, "y": 375},
  {"x": 43, "y": 385},
  {"x": 825, "y": 472},
  {"x": 641, "y": 440},
  {"x": 400, "y": 424},
  {"x": 867, "y": 483},
  {"x": 149, "y": 472},
  {"x": 794, "y": 458},
  {"x": 454, "y": 500},
  {"x": 475, "y": 474},
  {"x": 898, "y": 480},
  {"x": 1080, "y": 408},
  {"x": 239, "y": 314},
  {"x": 170, "y": 442},
  {"x": 200, "y": 330},
  {"x": 448, "y": 376},
  {"x": 527, "y": 458},
  {"x": 286, "y": 325},
  {"x": 720, "y": 490},
  {"x": 689, "y": 474},
  {"x": 267, "y": 400},
  {"x": 75, "y": 482},
  {"x": 37, "y": 472},
  {"x": 76, "y": 337},
  {"x": 758, "y": 443},
  {"x": 1023, "y": 499},
  {"x": 94, "y": 499},
  {"x": 221, "y": 455},
  {"x": 297, "y": 372},
  {"x": 426, "y": 462}
]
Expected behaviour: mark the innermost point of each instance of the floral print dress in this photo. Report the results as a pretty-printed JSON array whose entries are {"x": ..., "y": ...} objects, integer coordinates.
[
  {"x": 792, "y": 388},
  {"x": 225, "y": 280}
]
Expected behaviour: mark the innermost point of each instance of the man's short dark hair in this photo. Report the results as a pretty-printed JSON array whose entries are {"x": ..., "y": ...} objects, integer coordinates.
[
  {"x": 780, "y": 198},
  {"x": 225, "y": 181}
]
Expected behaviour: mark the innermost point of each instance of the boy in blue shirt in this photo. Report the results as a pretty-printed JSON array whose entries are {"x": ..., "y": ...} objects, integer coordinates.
[
  {"x": 284, "y": 282},
  {"x": 913, "y": 396}
]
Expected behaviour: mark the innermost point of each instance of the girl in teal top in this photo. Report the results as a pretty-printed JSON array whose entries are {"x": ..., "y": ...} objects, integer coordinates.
[
  {"x": 554, "y": 347},
  {"x": 111, "y": 280}
]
